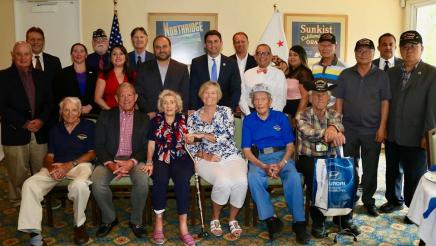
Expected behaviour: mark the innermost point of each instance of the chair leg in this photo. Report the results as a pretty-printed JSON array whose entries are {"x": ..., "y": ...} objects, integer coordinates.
[
  {"x": 255, "y": 216},
  {"x": 193, "y": 210},
  {"x": 48, "y": 209},
  {"x": 247, "y": 209}
]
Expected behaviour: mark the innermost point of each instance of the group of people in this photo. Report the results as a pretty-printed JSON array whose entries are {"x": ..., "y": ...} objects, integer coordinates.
[{"x": 155, "y": 118}]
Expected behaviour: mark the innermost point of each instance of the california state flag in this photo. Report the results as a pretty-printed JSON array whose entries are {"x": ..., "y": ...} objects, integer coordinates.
[{"x": 274, "y": 36}]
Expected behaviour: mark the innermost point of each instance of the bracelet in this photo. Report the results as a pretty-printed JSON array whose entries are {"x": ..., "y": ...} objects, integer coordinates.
[{"x": 149, "y": 162}]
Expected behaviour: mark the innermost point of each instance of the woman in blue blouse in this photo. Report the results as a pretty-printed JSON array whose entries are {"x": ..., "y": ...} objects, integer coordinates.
[
  {"x": 167, "y": 158},
  {"x": 220, "y": 163}
]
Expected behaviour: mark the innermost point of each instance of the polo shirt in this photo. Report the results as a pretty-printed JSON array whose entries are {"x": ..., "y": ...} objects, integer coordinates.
[
  {"x": 274, "y": 131},
  {"x": 362, "y": 98},
  {"x": 67, "y": 147}
]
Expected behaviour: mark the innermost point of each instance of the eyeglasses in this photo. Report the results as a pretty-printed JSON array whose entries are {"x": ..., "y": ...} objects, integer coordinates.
[
  {"x": 363, "y": 51},
  {"x": 262, "y": 54}
]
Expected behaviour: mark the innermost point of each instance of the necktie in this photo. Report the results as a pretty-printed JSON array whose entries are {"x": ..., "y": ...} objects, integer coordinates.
[
  {"x": 213, "y": 75},
  {"x": 38, "y": 65},
  {"x": 386, "y": 68},
  {"x": 138, "y": 60},
  {"x": 101, "y": 63}
]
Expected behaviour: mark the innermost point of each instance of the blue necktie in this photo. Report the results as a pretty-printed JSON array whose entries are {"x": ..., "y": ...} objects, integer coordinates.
[
  {"x": 138, "y": 61},
  {"x": 214, "y": 76}
]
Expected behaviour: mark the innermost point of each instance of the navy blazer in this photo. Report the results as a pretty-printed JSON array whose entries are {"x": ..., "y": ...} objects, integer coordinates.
[
  {"x": 251, "y": 62},
  {"x": 66, "y": 85},
  {"x": 52, "y": 67},
  {"x": 397, "y": 61},
  {"x": 15, "y": 108},
  {"x": 132, "y": 59},
  {"x": 149, "y": 84},
  {"x": 107, "y": 136},
  {"x": 229, "y": 79},
  {"x": 93, "y": 59}
]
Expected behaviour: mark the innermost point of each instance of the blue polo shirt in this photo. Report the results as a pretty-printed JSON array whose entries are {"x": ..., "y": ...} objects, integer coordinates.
[
  {"x": 275, "y": 131},
  {"x": 67, "y": 147}
]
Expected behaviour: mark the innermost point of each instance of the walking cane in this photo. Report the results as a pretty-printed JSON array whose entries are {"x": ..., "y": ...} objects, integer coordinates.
[{"x": 203, "y": 233}]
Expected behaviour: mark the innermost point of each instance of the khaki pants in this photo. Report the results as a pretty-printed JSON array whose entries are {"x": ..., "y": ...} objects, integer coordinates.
[
  {"x": 37, "y": 186},
  {"x": 18, "y": 160}
]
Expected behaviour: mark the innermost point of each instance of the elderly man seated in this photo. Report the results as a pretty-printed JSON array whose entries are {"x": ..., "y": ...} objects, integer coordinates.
[
  {"x": 269, "y": 152},
  {"x": 70, "y": 152},
  {"x": 319, "y": 127}
]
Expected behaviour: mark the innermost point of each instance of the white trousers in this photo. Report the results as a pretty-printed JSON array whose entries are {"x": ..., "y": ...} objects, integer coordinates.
[
  {"x": 36, "y": 187},
  {"x": 228, "y": 177}
]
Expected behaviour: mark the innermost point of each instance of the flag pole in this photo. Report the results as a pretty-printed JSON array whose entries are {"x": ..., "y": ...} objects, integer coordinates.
[
  {"x": 275, "y": 7},
  {"x": 115, "y": 6}
]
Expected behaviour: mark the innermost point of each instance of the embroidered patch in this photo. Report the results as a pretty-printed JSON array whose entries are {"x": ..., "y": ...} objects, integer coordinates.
[
  {"x": 277, "y": 128},
  {"x": 82, "y": 136}
]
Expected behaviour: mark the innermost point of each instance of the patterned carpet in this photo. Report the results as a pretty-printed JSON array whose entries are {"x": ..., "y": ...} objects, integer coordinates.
[{"x": 387, "y": 229}]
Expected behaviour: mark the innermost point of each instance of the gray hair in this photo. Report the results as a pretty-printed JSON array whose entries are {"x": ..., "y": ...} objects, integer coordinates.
[
  {"x": 169, "y": 93},
  {"x": 75, "y": 100}
]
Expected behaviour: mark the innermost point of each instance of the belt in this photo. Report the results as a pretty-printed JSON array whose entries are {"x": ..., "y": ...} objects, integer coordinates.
[{"x": 270, "y": 150}]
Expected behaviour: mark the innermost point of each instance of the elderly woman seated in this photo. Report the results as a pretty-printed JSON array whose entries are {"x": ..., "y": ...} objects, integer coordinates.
[
  {"x": 220, "y": 163},
  {"x": 269, "y": 152},
  {"x": 70, "y": 152},
  {"x": 167, "y": 158}
]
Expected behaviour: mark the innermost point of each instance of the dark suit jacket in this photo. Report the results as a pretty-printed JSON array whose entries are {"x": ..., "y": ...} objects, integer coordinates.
[
  {"x": 132, "y": 59},
  {"x": 15, "y": 109},
  {"x": 66, "y": 85},
  {"x": 149, "y": 84},
  {"x": 52, "y": 67},
  {"x": 397, "y": 61},
  {"x": 108, "y": 134},
  {"x": 229, "y": 79},
  {"x": 412, "y": 110},
  {"x": 251, "y": 62},
  {"x": 93, "y": 59}
]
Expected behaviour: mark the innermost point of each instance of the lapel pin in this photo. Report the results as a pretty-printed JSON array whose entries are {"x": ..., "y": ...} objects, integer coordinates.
[
  {"x": 224, "y": 64},
  {"x": 419, "y": 73}
]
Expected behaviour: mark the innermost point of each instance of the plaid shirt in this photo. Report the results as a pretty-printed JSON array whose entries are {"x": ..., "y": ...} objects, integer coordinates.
[
  {"x": 405, "y": 76},
  {"x": 310, "y": 130},
  {"x": 126, "y": 129}
]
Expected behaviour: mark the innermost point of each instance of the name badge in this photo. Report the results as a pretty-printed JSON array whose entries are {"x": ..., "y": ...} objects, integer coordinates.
[{"x": 82, "y": 136}]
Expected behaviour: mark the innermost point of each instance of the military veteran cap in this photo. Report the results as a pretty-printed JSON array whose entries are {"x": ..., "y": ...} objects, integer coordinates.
[
  {"x": 364, "y": 42},
  {"x": 319, "y": 85},
  {"x": 327, "y": 37},
  {"x": 259, "y": 88},
  {"x": 99, "y": 33},
  {"x": 412, "y": 37}
]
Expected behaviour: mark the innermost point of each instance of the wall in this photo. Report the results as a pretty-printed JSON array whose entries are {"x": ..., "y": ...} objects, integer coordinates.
[
  {"x": 7, "y": 31},
  {"x": 250, "y": 16}
]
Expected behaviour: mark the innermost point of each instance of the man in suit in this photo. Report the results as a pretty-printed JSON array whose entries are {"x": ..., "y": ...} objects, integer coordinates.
[
  {"x": 25, "y": 106},
  {"x": 412, "y": 114},
  {"x": 386, "y": 47},
  {"x": 50, "y": 65},
  {"x": 245, "y": 60},
  {"x": 162, "y": 73},
  {"x": 121, "y": 145},
  {"x": 98, "y": 60},
  {"x": 213, "y": 66},
  {"x": 139, "y": 55}
]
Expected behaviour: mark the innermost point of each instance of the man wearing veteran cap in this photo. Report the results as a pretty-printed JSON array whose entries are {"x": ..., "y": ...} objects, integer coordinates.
[
  {"x": 329, "y": 67},
  {"x": 318, "y": 128},
  {"x": 362, "y": 96},
  {"x": 100, "y": 58},
  {"x": 269, "y": 153},
  {"x": 412, "y": 114}
]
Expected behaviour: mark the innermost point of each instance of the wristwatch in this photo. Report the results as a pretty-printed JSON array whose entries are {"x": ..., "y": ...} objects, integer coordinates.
[{"x": 75, "y": 163}]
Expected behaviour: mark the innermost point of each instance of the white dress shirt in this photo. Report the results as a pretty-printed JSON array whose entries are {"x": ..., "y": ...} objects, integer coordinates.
[
  {"x": 242, "y": 64},
  {"x": 391, "y": 62},
  {"x": 218, "y": 65},
  {"x": 41, "y": 59},
  {"x": 274, "y": 79}
]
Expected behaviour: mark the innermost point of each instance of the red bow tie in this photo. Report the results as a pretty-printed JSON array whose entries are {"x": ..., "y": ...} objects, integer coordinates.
[{"x": 261, "y": 70}]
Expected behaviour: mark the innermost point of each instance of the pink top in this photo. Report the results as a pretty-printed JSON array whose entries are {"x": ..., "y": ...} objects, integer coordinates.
[
  {"x": 293, "y": 89},
  {"x": 126, "y": 130}
]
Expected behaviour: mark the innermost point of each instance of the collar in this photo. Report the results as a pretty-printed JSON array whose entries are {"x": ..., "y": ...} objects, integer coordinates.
[
  {"x": 372, "y": 70},
  {"x": 267, "y": 118},
  {"x": 40, "y": 55},
  {"x": 142, "y": 54},
  {"x": 390, "y": 60},
  {"x": 217, "y": 58},
  {"x": 414, "y": 67},
  {"x": 243, "y": 59},
  {"x": 126, "y": 113},
  {"x": 334, "y": 62}
]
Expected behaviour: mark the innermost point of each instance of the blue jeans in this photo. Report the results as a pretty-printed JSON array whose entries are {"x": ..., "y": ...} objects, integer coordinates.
[{"x": 291, "y": 180}]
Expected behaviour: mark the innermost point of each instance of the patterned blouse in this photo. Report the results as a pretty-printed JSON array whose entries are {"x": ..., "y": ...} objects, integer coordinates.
[
  {"x": 168, "y": 138},
  {"x": 222, "y": 127}
]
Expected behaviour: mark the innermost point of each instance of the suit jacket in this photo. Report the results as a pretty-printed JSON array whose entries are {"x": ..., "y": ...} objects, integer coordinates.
[
  {"x": 66, "y": 85},
  {"x": 93, "y": 59},
  {"x": 251, "y": 62},
  {"x": 397, "y": 61},
  {"x": 108, "y": 135},
  {"x": 412, "y": 109},
  {"x": 229, "y": 79},
  {"x": 149, "y": 84},
  {"x": 132, "y": 59},
  {"x": 52, "y": 67},
  {"x": 15, "y": 108}
]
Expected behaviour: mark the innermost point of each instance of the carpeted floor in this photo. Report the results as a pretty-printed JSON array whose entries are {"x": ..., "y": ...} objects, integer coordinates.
[{"x": 387, "y": 229}]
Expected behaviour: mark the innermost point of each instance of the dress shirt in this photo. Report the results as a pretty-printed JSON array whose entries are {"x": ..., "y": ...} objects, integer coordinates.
[
  {"x": 41, "y": 59},
  {"x": 218, "y": 65},
  {"x": 163, "y": 69},
  {"x": 275, "y": 80},
  {"x": 142, "y": 55},
  {"x": 126, "y": 130},
  {"x": 391, "y": 62},
  {"x": 242, "y": 64}
]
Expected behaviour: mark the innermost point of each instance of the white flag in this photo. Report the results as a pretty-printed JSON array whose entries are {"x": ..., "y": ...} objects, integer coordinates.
[{"x": 274, "y": 36}]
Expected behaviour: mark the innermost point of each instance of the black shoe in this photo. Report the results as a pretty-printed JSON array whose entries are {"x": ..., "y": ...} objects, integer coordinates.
[
  {"x": 318, "y": 231},
  {"x": 349, "y": 226},
  {"x": 80, "y": 235},
  {"x": 300, "y": 232},
  {"x": 138, "y": 230},
  {"x": 275, "y": 225},
  {"x": 104, "y": 229},
  {"x": 408, "y": 221},
  {"x": 372, "y": 210},
  {"x": 389, "y": 207}
]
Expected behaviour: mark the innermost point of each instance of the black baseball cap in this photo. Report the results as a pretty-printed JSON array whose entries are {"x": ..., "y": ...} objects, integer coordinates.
[
  {"x": 99, "y": 33},
  {"x": 319, "y": 85},
  {"x": 364, "y": 42},
  {"x": 327, "y": 37},
  {"x": 412, "y": 37}
]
